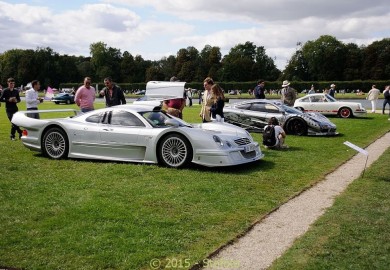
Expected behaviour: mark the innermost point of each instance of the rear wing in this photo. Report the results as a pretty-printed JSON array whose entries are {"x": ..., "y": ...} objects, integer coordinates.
[
  {"x": 164, "y": 90},
  {"x": 22, "y": 118}
]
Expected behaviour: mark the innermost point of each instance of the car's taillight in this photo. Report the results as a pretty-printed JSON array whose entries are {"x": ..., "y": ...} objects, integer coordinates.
[{"x": 25, "y": 133}]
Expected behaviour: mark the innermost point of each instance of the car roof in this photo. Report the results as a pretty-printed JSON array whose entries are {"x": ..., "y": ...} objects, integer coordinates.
[
  {"x": 274, "y": 102},
  {"x": 137, "y": 107}
]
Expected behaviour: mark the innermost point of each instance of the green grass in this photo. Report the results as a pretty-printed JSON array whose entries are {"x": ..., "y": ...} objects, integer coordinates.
[
  {"x": 80, "y": 214},
  {"x": 354, "y": 233}
]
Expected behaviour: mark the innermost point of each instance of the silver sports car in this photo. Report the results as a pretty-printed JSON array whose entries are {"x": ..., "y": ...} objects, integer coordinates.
[
  {"x": 253, "y": 115},
  {"x": 137, "y": 133}
]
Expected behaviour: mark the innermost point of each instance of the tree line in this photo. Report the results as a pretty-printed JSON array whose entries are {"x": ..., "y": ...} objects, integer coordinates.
[{"x": 324, "y": 59}]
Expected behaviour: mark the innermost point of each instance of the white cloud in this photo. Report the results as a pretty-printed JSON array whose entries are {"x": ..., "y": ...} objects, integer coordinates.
[{"x": 155, "y": 28}]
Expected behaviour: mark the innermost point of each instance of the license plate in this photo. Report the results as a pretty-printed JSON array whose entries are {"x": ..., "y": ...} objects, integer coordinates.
[{"x": 250, "y": 147}]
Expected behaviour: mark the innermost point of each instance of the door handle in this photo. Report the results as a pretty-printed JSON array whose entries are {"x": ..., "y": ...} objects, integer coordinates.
[{"x": 107, "y": 129}]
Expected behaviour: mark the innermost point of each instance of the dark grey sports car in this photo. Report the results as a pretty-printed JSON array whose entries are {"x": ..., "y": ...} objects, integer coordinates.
[{"x": 253, "y": 115}]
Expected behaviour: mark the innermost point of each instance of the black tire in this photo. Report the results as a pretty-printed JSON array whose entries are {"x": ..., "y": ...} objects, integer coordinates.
[
  {"x": 67, "y": 101},
  {"x": 55, "y": 143},
  {"x": 56, "y": 102},
  {"x": 345, "y": 112},
  {"x": 297, "y": 127},
  {"x": 174, "y": 150}
]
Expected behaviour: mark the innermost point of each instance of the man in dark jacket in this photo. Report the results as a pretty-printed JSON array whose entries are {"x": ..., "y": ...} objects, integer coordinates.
[
  {"x": 113, "y": 93},
  {"x": 259, "y": 90},
  {"x": 11, "y": 97}
]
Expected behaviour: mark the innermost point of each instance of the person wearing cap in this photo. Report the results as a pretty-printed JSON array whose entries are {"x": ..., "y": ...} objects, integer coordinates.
[
  {"x": 289, "y": 94},
  {"x": 11, "y": 97},
  {"x": 331, "y": 90}
]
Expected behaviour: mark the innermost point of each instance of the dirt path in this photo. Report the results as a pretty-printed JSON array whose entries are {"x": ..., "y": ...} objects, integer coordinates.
[{"x": 267, "y": 240}]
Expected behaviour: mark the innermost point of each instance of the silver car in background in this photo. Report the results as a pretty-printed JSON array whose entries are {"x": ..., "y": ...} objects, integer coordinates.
[{"x": 253, "y": 115}]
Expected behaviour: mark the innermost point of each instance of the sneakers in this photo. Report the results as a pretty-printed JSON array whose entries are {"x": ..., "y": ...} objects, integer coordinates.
[
  {"x": 12, "y": 138},
  {"x": 284, "y": 147}
]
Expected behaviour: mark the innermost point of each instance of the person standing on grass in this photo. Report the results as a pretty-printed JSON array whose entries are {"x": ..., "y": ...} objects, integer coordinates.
[
  {"x": 218, "y": 103},
  {"x": 11, "y": 97},
  {"x": 289, "y": 95},
  {"x": 332, "y": 90},
  {"x": 85, "y": 96},
  {"x": 259, "y": 90},
  {"x": 32, "y": 99},
  {"x": 373, "y": 96},
  {"x": 207, "y": 102},
  {"x": 386, "y": 93},
  {"x": 112, "y": 93}
]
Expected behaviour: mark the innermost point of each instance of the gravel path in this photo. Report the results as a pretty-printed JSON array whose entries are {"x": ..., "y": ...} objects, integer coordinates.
[{"x": 268, "y": 239}]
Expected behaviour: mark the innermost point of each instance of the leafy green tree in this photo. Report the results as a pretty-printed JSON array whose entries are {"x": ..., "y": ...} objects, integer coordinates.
[
  {"x": 376, "y": 64},
  {"x": 353, "y": 62},
  {"x": 325, "y": 58},
  {"x": 264, "y": 66},
  {"x": 167, "y": 65},
  {"x": 127, "y": 68},
  {"x": 210, "y": 63},
  {"x": 238, "y": 63},
  {"x": 106, "y": 61}
]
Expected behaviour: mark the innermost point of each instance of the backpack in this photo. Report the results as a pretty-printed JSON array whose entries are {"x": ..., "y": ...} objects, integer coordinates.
[{"x": 269, "y": 138}]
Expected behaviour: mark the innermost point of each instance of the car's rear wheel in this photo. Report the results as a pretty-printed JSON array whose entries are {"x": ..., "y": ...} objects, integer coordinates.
[
  {"x": 56, "y": 102},
  {"x": 174, "y": 150},
  {"x": 55, "y": 143},
  {"x": 68, "y": 101},
  {"x": 345, "y": 112},
  {"x": 297, "y": 127}
]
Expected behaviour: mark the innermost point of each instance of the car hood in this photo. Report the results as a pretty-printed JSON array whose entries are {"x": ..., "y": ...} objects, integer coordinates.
[{"x": 222, "y": 128}]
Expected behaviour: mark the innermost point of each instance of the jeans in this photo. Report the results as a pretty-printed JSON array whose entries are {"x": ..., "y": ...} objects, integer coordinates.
[
  {"x": 386, "y": 101},
  {"x": 84, "y": 110},
  {"x": 14, "y": 127},
  {"x": 33, "y": 115}
]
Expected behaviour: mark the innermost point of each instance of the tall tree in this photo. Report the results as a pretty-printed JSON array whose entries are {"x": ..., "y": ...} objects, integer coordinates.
[
  {"x": 325, "y": 58},
  {"x": 376, "y": 63}
]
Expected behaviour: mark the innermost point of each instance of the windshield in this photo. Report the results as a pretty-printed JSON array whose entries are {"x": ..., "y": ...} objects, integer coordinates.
[
  {"x": 292, "y": 110},
  {"x": 330, "y": 98},
  {"x": 157, "y": 119}
]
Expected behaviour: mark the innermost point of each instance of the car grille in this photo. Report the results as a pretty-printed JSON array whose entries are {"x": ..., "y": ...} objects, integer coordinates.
[
  {"x": 251, "y": 154},
  {"x": 242, "y": 141}
]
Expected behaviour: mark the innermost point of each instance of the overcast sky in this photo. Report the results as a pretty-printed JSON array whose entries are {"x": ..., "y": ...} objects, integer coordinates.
[{"x": 158, "y": 28}]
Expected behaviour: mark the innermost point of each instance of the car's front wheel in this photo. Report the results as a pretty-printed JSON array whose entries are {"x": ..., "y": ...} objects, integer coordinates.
[
  {"x": 297, "y": 127},
  {"x": 174, "y": 150},
  {"x": 67, "y": 101},
  {"x": 345, "y": 112},
  {"x": 55, "y": 143}
]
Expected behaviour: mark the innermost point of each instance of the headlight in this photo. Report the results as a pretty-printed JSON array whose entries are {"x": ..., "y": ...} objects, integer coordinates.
[{"x": 218, "y": 140}]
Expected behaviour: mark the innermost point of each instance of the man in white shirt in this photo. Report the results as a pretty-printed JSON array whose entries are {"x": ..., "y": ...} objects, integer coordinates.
[
  {"x": 32, "y": 99},
  {"x": 373, "y": 96}
]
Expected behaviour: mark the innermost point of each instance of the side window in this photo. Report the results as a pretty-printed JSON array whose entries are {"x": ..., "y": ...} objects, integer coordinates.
[
  {"x": 244, "y": 106},
  {"x": 95, "y": 118},
  {"x": 271, "y": 108},
  {"x": 305, "y": 100},
  {"x": 258, "y": 107},
  {"x": 123, "y": 118}
]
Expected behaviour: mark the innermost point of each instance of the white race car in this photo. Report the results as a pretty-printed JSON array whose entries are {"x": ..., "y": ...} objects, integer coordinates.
[
  {"x": 327, "y": 105},
  {"x": 137, "y": 133}
]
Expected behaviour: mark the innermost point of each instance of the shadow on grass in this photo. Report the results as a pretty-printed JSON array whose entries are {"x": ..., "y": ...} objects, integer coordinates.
[{"x": 236, "y": 169}]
